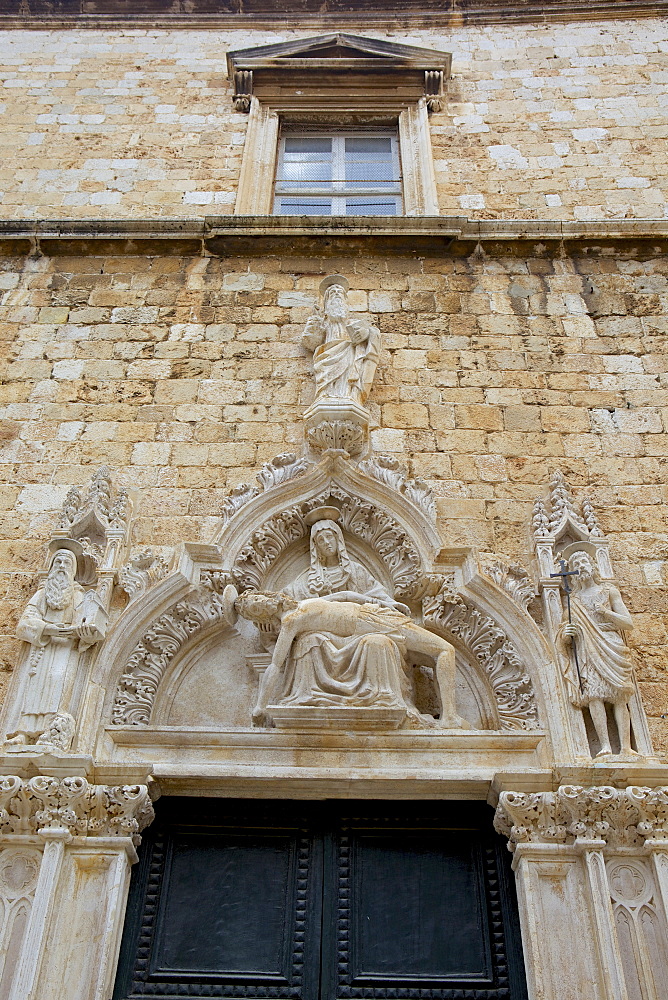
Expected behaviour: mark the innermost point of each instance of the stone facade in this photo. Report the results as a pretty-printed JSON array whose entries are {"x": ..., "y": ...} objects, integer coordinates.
[
  {"x": 541, "y": 121},
  {"x": 186, "y": 374}
]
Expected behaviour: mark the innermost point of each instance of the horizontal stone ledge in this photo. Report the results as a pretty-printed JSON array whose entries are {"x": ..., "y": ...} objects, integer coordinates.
[
  {"x": 316, "y": 13},
  {"x": 251, "y": 236}
]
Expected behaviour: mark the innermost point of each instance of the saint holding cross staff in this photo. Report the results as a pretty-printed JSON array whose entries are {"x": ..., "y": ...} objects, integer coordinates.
[{"x": 596, "y": 620}]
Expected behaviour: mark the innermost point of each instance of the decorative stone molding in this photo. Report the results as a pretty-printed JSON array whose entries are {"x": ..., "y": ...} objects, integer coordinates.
[
  {"x": 278, "y": 470},
  {"x": 358, "y": 517},
  {"x": 491, "y": 647},
  {"x": 151, "y": 656},
  {"x": 85, "y": 810},
  {"x": 339, "y": 58},
  {"x": 389, "y": 470},
  {"x": 618, "y": 817},
  {"x": 512, "y": 578},
  {"x": 144, "y": 569},
  {"x": 337, "y": 435}
]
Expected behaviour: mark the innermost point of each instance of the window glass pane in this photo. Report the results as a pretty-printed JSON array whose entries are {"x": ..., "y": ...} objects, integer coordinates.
[
  {"x": 304, "y": 206},
  {"x": 306, "y": 158},
  {"x": 371, "y": 206},
  {"x": 370, "y": 159},
  {"x": 316, "y": 171}
]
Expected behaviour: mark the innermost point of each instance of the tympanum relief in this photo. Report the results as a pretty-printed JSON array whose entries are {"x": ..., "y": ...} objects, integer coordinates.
[{"x": 343, "y": 644}]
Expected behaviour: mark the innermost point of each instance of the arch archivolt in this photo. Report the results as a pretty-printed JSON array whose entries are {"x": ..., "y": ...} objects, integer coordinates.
[{"x": 481, "y": 642}]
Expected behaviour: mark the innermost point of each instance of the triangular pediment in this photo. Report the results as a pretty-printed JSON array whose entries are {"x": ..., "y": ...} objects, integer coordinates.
[{"x": 348, "y": 50}]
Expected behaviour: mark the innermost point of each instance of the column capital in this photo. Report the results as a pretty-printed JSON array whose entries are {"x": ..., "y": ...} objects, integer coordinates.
[
  {"x": 55, "y": 807},
  {"x": 602, "y": 816}
]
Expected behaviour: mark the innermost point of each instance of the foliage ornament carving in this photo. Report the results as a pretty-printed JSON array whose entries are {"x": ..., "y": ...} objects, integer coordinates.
[
  {"x": 495, "y": 653},
  {"x": 144, "y": 569},
  {"x": 153, "y": 654},
  {"x": 512, "y": 578},
  {"x": 278, "y": 470},
  {"x": 85, "y": 810},
  {"x": 358, "y": 517},
  {"x": 389, "y": 470},
  {"x": 618, "y": 817}
]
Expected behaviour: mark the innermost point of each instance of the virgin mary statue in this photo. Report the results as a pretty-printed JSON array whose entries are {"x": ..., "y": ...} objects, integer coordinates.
[{"x": 358, "y": 670}]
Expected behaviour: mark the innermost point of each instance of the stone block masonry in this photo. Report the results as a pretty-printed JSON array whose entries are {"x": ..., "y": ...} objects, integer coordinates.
[
  {"x": 185, "y": 374},
  {"x": 542, "y": 121}
]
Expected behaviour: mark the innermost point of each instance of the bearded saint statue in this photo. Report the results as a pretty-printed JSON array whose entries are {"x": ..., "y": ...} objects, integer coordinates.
[
  {"x": 345, "y": 350},
  {"x": 54, "y": 623}
]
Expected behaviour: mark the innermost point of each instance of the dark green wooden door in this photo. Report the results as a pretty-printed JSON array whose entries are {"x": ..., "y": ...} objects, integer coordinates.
[{"x": 321, "y": 901}]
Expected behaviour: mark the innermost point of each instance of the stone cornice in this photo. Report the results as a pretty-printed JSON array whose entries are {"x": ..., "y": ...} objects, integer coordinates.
[
  {"x": 314, "y": 14},
  {"x": 84, "y": 810},
  {"x": 235, "y": 235}
]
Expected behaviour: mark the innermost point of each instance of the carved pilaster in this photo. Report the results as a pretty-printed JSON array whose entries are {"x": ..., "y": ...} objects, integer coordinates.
[{"x": 66, "y": 847}]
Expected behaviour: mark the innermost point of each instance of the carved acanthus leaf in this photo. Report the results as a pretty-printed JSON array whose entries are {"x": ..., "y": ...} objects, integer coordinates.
[
  {"x": 619, "y": 817},
  {"x": 27, "y": 806},
  {"x": 337, "y": 435},
  {"x": 489, "y": 644},
  {"x": 540, "y": 522},
  {"x": 590, "y": 518},
  {"x": 379, "y": 530},
  {"x": 150, "y": 658},
  {"x": 512, "y": 578},
  {"x": 389, "y": 470},
  {"x": 144, "y": 569},
  {"x": 278, "y": 470}
]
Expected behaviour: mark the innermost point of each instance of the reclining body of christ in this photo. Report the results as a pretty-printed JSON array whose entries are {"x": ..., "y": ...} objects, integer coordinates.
[{"x": 339, "y": 651}]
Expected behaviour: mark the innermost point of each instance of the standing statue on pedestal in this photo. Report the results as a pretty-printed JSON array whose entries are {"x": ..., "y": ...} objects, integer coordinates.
[
  {"x": 345, "y": 350},
  {"x": 604, "y": 670},
  {"x": 60, "y": 621}
]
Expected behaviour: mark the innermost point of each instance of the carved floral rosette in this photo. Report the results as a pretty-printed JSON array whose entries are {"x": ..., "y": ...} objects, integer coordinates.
[
  {"x": 85, "y": 810},
  {"x": 619, "y": 817}
]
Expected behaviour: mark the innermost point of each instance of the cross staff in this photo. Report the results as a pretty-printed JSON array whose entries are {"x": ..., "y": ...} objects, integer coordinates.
[{"x": 568, "y": 590}]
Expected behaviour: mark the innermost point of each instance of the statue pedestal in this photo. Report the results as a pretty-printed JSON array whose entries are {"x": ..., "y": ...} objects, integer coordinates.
[
  {"x": 340, "y": 424},
  {"x": 335, "y": 718}
]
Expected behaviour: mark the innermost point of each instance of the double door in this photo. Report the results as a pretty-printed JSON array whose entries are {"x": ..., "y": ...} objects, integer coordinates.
[{"x": 289, "y": 900}]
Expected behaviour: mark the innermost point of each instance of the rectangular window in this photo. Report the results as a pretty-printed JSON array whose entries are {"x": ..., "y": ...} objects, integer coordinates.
[{"x": 342, "y": 173}]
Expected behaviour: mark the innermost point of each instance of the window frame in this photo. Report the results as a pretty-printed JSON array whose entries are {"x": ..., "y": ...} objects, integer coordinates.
[
  {"x": 336, "y": 190},
  {"x": 266, "y": 120}
]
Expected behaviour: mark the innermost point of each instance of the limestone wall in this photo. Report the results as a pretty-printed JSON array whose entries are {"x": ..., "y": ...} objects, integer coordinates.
[
  {"x": 184, "y": 375},
  {"x": 556, "y": 121}
]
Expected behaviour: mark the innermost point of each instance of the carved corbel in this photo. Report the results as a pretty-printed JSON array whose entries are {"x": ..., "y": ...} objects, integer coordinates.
[
  {"x": 243, "y": 90},
  {"x": 433, "y": 89}
]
